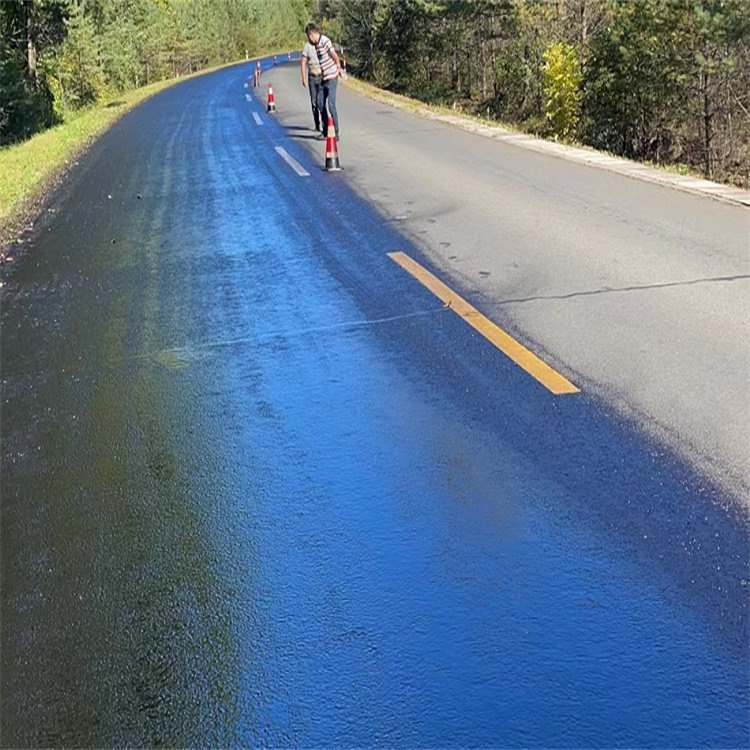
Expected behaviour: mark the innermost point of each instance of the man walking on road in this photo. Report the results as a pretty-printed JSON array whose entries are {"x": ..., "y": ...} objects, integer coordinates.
[
  {"x": 312, "y": 77},
  {"x": 331, "y": 67}
]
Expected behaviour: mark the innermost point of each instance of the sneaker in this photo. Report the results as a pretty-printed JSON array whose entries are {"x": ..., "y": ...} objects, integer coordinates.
[{"x": 320, "y": 136}]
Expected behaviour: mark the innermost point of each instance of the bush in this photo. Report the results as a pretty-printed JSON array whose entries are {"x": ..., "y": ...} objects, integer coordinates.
[
  {"x": 562, "y": 89},
  {"x": 23, "y": 110}
]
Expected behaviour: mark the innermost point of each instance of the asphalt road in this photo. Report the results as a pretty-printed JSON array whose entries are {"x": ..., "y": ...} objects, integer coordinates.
[
  {"x": 261, "y": 487},
  {"x": 642, "y": 291}
]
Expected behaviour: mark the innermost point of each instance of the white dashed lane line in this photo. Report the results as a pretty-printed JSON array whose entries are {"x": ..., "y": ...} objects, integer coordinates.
[
  {"x": 292, "y": 162},
  {"x": 257, "y": 119}
]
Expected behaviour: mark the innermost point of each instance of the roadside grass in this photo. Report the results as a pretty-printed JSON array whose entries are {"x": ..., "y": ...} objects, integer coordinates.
[
  {"x": 27, "y": 169},
  {"x": 30, "y": 168},
  {"x": 422, "y": 108},
  {"x": 27, "y": 166}
]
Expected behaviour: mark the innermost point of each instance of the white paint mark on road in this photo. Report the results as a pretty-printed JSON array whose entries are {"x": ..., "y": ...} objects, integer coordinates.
[
  {"x": 292, "y": 162},
  {"x": 245, "y": 85},
  {"x": 257, "y": 119},
  {"x": 248, "y": 97}
]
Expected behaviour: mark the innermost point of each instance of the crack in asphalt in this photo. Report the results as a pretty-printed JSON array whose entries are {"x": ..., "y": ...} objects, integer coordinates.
[{"x": 634, "y": 288}]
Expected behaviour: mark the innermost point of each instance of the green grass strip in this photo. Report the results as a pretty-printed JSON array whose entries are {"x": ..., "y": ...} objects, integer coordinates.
[{"x": 27, "y": 168}]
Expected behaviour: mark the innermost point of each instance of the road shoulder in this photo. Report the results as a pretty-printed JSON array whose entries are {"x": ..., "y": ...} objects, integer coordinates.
[{"x": 588, "y": 156}]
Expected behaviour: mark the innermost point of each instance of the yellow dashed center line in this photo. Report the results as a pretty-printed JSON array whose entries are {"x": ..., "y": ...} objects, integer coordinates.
[{"x": 527, "y": 360}]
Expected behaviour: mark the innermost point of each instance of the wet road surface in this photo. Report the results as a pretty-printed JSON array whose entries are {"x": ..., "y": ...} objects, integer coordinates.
[{"x": 261, "y": 487}]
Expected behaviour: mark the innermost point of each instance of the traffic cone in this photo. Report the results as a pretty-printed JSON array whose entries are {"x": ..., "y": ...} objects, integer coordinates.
[
  {"x": 271, "y": 101},
  {"x": 332, "y": 151}
]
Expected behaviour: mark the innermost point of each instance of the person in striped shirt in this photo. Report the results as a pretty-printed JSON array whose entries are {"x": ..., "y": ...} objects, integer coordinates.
[{"x": 331, "y": 67}]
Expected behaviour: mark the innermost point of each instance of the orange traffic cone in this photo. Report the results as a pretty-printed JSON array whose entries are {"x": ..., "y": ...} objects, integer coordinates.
[
  {"x": 332, "y": 151},
  {"x": 271, "y": 101}
]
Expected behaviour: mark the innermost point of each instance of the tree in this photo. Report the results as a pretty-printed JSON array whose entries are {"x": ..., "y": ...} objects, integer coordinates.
[
  {"x": 25, "y": 98},
  {"x": 79, "y": 60},
  {"x": 562, "y": 88},
  {"x": 635, "y": 80},
  {"x": 717, "y": 29},
  {"x": 31, "y": 53}
]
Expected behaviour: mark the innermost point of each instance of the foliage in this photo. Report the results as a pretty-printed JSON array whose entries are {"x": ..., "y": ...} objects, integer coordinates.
[
  {"x": 80, "y": 73},
  {"x": 90, "y": 49},
  {"x": 562, "y": 87},
  {"x": 23, "y": 107},
  {"x": 661, "y": 80}
]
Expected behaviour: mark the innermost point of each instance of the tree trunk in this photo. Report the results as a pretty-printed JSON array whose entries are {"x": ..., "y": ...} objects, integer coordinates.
[
  {"x": 30, "y": 42},
  {"x": 493, "y": 61},
  {"x": 455, "y": 73},
  {"x": 582, "y": 57},
  {"x": 584, "y": 35},
  {"x": 707, "y": 126}
]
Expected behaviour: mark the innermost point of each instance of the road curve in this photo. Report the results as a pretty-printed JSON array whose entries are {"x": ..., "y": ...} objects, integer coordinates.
[{"x": 261, "y": 486}]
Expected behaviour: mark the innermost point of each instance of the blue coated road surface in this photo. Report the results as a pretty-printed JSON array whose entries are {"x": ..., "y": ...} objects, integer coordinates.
[{"x": 261, "y": 488}]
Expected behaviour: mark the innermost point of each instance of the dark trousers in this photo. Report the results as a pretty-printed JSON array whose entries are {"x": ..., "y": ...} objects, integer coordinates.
[
  {"x": 329, "y": 101},
  {"x": 315, "y": 84}
]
